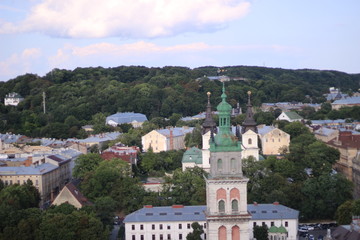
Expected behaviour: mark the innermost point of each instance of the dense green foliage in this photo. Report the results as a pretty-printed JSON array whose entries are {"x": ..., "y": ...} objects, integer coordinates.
[
  {"x": 22, "y": 219},
  {"x": 74, "y": 98},
  {"x": 196, "y": 233},
  {"x": 346, "y": 211},
  {"x": 261, "y": 232},
  {"x": 317, "y": 193}
]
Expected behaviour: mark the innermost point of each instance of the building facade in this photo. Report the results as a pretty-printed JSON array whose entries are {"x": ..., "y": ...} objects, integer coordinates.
[
  {"x": 273, "y": 140},
  {"x": 13, "y": 99}
]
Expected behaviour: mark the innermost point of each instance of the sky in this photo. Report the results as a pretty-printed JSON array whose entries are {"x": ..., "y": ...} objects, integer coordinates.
[{"x": 37, "y": 36}]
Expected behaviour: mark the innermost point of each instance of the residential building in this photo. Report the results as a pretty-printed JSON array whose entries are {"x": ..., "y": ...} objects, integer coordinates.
[
  {"x": 13, "y": 99},
  {"x": 288, "y": 106},
  {"x": 290, "y": 117},
  {"x": 273, "y": 140},
  {"x": 125, "y": 153},
  {"x": 348, "y": 143},
  {"x": 326, "y": 134},
  {"x": 71, "y": 195},
  {"x": 135, "y": 119},
  {"x": 98, "y": 140},
  {"x": 334, "y": 94},
  {"x": 345, "y": 102},
  {"x": 165, "y": 139},
  {"x": 174, "y": 222}
]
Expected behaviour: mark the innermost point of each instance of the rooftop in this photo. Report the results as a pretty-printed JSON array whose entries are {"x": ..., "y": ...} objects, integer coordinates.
[{"x": 32, "y": 170}]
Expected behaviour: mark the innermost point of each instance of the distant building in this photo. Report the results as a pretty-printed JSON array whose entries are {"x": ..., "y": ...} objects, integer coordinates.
[
  {"x": 71, "y": 195},
  {"x": 125, "y": 153},
  {"x": 174, "y": 222},
  {"x": 290, "y": 117},
  {"x": 273, "y": 140},
  {"x": 135, "y": 119},
  {"x": 99, "y": 139},
  {"x": 165, "y": 139},
  {"x": 13, "y": 99},
  {"x": 345, "y": 102},
  {"x": 334, "y": 94},
  {"x": 288, "y": 106}
]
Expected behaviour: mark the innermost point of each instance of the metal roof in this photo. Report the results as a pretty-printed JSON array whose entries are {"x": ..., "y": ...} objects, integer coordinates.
[
  {"x": 348, "y": 100},
  {"x": 38, "y": 170},
  {"x": 126, "y": 117},
  {"x": 176, "y": 132},
  {"x": 197, "y": 213}
]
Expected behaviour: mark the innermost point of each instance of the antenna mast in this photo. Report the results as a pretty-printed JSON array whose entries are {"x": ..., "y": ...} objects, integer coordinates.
[{"x": 44, "y": 97}]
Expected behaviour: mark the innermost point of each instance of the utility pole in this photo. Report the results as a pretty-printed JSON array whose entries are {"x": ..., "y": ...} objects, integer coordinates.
[{"x": 44, "y": 96}]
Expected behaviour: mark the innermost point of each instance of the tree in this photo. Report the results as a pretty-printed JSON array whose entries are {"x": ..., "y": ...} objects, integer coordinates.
[
  {"x": 187, "y": 188},
  {"x": 85, "y": 164},
  {"x": 344, "y": 213},
  {"x": 196, "y": 233},
  {"x": 261, "y": 232},
  {"x": 105, "y": 208},
  {"x": 295, "y": 129}
]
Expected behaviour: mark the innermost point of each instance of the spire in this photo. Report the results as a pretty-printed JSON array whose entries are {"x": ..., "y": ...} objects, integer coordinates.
[
  {"x": 209, "y": 123},
  {"x": 249, "y": 122}
]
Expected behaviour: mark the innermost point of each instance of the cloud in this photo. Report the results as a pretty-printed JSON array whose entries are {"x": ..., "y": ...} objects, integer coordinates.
[
  {"x": 19, "y": 63},
  {"x": 128, "y": 18}
]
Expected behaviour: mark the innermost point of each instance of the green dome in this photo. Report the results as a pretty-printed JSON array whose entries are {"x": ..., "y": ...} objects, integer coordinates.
[
  {"x": 273, "y": 229},
  {"x": 282, "y": 229},
  {"x": 224, "y": 107},
  {"x": 192, "y": 155}
]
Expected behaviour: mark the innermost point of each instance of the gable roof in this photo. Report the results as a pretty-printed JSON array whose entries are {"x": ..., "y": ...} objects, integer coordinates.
[
  {"x": 292, "y": 115},
  {"x": 176, "y": 132},
  {"x": 348, "y": 100},
  {"x": 74, "y": 193}
]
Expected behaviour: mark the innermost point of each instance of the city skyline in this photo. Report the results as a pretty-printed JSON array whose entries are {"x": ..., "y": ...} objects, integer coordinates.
[{"x": 39, "y": 35}]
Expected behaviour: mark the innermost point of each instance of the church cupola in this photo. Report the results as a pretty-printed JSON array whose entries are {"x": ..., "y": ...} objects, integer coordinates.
[{"x": 249, "y": 122}]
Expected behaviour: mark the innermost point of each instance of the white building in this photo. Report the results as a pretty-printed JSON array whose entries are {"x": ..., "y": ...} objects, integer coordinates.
[
  {"x": 174, "y": 222},
  {"x": 13, "y": 99},
  {"x": 290, "y": 117}
]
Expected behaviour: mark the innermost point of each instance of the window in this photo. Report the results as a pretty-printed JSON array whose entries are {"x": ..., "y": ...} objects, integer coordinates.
[
  {"x": 234, "y": 205},
  {"x": 254, "y": 224},
  {"x": 263, "y": 224},
  {"x": 204, "y": 225},
  {"x": 153, "y": 237},
  {"x": 272, "y": 223},
  {"x": 221, "y": 206},
  {"x": 132, "y": 227},
  {"x": 133, "y": 237},
  {"x": 168, "y": 227},
  {"x": 142, "y": 237},
  {"x": 153, "y": 227},
  {"x": 286, "y": 224},
  {"x": 232, "y": 164},
  {"x": 161, "y": 237},
  {"x": 180, "y": 226},
  {"x": 180, "y": 236},
  {"x": 169, "y": 237},
  {"x": 141, "y": 227},
  {"x": 161, "y": 226},
  {"x": 188, "y": 226},
  {"x": 219, "y": 164},
  {"x": 249, "y": 141}
]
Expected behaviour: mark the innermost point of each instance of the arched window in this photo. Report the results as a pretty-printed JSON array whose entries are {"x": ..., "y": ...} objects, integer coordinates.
[
  {"x": 222, "y": 233},
  {"x": 249, "y": 141},
  {"x": 235, "y": 233},
  {"x": 233, "y": 164},
  {"x": 221, "y": 206},
  {"x": 234, "y": 205},
  {"x": 219, "y": 165}
]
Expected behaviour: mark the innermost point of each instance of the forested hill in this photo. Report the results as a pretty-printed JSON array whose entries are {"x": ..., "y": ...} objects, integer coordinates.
[{"x": 84, "y": 92}]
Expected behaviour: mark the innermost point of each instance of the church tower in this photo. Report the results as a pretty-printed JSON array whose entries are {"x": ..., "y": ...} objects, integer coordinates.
[
  {"x": 208, "y": 129},
  {"x": 249, "y": 136},
  {"x": 226, "y": 187}
]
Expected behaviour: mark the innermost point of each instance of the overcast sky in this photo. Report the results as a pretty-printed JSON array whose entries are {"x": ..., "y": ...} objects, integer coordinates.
[{"x": 37, "y": 36}]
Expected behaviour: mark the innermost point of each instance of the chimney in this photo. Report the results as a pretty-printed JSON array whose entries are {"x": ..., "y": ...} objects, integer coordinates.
[
  {"x": 177, "y": 206},
  {"x": 148, "y": 206},
  {"x": 171, "y": 139},
  {"x": 276, "y": 203},
  {"x": 255, "y": 203}
]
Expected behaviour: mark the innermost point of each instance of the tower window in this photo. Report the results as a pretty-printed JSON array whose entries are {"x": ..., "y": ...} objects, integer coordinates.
[
  {"x": 249, "y": 141},
  {"x": 219, "y": 164},
  {"x": 221, "y": 206},
  {"x": 234, "y": 205}
]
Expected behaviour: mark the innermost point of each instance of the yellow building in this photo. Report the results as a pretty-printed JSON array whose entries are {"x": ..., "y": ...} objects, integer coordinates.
[
  {"x": 48, "y": 175},
  {"x": 273, "y": 140},
  {"x": 165, "y": 139},
  {"x": 71, "y": 195}
]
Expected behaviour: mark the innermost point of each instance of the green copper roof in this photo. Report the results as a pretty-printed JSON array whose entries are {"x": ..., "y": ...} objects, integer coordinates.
[
  {"x": 273, "y": 229},
  {"x": 192, "y": 155},
  {"x": 225, "y": 140},
  {"x": 282, "y": 229}
]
